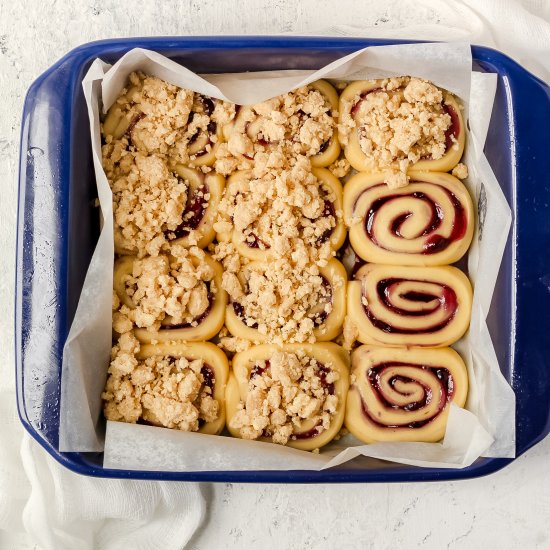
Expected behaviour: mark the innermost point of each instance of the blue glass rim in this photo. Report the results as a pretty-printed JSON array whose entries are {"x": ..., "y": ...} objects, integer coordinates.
[{"x": 78, "y": 462}]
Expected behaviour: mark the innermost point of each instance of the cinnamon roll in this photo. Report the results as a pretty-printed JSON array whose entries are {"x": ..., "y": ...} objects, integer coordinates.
[
  {"x": 400, "y": 394},
  {"x": 409, "y": 306},
  {"x": 166, "y": 298},
  {"x": 156, "y": 117},
  {"x": 292, "y": 395},
  {"x": 428, "y": 222},
  {"x": 172, "y": 385},
  {"x": 294, "y": 309},
  {"x": 270, "y": 216},
  {"x": 301, "y": 122},
  {"x": 398, "y": 124}
]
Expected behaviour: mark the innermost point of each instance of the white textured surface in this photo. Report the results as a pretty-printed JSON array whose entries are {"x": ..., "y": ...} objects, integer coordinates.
[{"x": 507, "y": 510}]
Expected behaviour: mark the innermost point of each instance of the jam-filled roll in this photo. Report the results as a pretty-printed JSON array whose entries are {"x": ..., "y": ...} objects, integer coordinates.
[
  {"x": 409, "y": 306},
  {"x": 297, "y": 307},
  {"x": 400, "y": 394},
  {"x": 300, "y": 122},
  {"x": 169, "y": 297},
  {"x": 204, "y": 193},
  {"x": 428, "y": 222},
  {"x": 171, "y": 385},
  {"x": 279, "y": 212},
  {"x": 156, "y": 202},
  {"x": 400, "y": 123},
  {"x": 157, "y": 117},
  {"x": 294, "y": 395}
]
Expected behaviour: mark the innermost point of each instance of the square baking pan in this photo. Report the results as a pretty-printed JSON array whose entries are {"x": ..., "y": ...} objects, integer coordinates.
[{"x": 58, "y": 227}]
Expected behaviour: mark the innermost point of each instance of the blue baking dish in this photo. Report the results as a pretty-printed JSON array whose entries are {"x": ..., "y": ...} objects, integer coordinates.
[{"x": 58, "y": 227}]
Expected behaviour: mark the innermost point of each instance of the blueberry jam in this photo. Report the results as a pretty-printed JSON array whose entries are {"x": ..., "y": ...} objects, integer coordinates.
[
  {"x": 193, "y": 213},
  {"x": 434, "y": 242},
  {"x": 385, "y": 288},
  {"x": 446, "y": 391}
]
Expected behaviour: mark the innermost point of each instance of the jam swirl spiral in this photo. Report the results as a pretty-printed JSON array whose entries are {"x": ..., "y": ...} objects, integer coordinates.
[
  {"x": 428, "y": 222},
  {"x": 397, "y": 305},
  {"x": 403, "y": 394}
]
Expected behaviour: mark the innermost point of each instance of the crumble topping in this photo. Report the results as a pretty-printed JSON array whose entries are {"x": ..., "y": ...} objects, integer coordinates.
[
  {"x": 340, "y": 168},
  {"x": 232, "y": 344},
  {"x": 164, "y": 119},
  {"x": 283, "y": 392},
  {"x": 281, "y": 302},
  {"x": 166, "y": 391},
  {"x": 172, "y": 288},
  {"x": 350, "y": 333},
  {"x": 402, "y": 121},
  {"x": 300, "y": 122},
  {"x": 284, "y": 210},
  {"x": 148, "y": 200},
  {"x": 460, "y": 171}
]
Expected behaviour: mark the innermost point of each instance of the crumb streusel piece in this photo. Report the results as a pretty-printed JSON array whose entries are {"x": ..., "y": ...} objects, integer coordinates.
[{"x": 171, "y": 386}]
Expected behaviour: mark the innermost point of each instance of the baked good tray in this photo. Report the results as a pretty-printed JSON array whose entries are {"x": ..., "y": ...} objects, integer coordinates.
[{"x": 58, "y": 227}]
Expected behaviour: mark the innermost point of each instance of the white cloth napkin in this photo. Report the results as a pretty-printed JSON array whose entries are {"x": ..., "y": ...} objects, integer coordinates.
[{"x": 61, "y": 510}]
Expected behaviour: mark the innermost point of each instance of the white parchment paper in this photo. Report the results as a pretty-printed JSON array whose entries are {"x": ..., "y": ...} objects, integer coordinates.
[{"x": 485, "y": 428}]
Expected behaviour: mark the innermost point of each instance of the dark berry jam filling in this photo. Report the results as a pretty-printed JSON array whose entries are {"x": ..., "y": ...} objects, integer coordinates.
[
  {"x": 132, "y": 125},
  {"x": 194, "y": 212},
  {"x": 324, "y": 147},
  {"x": 258, "y": 371},
  {"x": 446, "y": 391},
  {"x": 320, "y": 317},
  {"x": 209, "y": 377},
  {"x": 313, "y": 432},
  {"x": 385, "y": 288},
  {"x": 239, "y": 312},
  {"x": 208, "y": 105},
  {"x": 327, "y": 212},
  {"x": 434, "y": 243},
  {"x": 256, "y": 242}
]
